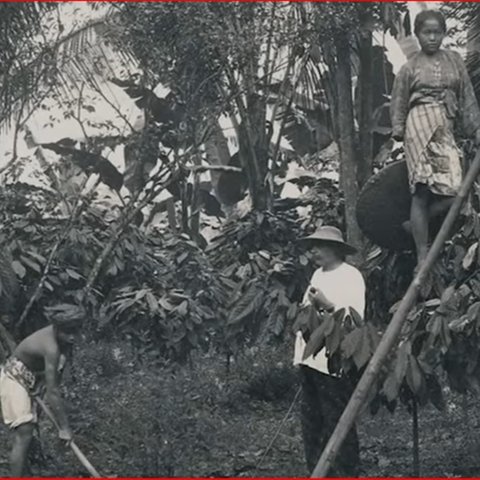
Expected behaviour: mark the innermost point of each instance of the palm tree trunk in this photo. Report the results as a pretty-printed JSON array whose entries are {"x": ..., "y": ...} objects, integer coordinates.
[
  {"x": 346, "y": 140},
  {"x": 195, "y": 201},
  {"x": 365, "y": 157}
]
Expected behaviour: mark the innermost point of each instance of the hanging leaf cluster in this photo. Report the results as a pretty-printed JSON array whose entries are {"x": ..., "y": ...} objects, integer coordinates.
[
  {"x": 261, "y": 258},
  {"x": 441, "y": 337}
]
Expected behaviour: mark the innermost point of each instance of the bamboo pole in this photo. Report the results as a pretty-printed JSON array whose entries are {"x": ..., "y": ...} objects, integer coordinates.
[
  {"x": 76, "y": 450},
  {"x": 390, "y": 337},
  {"x": 78, "y": 453}
]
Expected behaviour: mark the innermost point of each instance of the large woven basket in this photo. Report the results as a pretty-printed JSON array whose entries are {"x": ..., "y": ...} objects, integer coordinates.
[{"x": 384, "y": 205}]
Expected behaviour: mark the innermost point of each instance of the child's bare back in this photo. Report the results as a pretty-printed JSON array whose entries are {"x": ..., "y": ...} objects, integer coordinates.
[{"x": 37, "y": 349}]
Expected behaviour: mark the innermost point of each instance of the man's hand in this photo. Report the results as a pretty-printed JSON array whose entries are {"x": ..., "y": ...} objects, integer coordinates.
[
  {"x": 39, "y": 390},
  {"x": 318, "y": 299},
  {"x": 65, "y": 434}
]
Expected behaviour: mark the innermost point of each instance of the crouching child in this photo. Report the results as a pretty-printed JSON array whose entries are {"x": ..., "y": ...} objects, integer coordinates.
[{"x": 36, "y": 362}]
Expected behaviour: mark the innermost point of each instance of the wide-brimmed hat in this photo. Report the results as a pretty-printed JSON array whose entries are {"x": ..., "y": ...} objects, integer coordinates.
[{"x": 330, "y": 235}]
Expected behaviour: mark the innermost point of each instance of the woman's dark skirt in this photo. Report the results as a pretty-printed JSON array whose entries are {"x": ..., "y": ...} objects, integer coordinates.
[{"x": 324, "y": 399}]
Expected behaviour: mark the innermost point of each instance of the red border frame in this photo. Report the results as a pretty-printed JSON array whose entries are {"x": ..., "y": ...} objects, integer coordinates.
[{"x": 236, "y": 1}]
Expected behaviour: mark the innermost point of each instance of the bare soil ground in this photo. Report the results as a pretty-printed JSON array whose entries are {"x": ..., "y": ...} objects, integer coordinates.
[{"x": 139, "y": 418}]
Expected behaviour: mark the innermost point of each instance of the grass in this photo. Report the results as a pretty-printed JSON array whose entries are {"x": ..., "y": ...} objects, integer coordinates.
[{"x": 135, "y": 417}]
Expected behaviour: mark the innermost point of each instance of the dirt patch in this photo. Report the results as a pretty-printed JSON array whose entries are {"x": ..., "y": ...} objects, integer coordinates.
[{"x": 141, "y": 418}]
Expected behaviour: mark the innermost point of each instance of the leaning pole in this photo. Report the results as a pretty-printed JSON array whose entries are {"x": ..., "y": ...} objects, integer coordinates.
[{"x": 390, "y": 338}]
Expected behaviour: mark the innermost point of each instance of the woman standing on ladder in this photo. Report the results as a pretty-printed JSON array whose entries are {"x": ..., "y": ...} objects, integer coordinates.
[{"x": 432, "y": 98}]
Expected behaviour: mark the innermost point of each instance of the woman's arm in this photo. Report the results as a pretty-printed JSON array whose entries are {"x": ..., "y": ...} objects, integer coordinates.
[{"x": 399, "y": 103}]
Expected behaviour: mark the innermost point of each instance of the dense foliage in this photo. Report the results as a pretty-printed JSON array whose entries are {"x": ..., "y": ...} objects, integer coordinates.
[{"x": 166, "y": 292}]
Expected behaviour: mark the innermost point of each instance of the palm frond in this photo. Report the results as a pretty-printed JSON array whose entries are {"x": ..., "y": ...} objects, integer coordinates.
[
  {"x": 84, "y": 56},
  {"x": 468, "y": 16},
  {"x": 19, "y": 25}
]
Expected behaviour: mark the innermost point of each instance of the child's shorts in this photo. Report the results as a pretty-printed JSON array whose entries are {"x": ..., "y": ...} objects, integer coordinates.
[{"x": 17, "y": 405}]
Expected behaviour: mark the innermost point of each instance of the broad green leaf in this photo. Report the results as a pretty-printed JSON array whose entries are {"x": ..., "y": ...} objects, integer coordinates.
[
  {"x": 152, "y": 302},
  {"x": 445, "y": 334},
  {"x": 19, "y": 269},
  {"x": 448, "y": 294},
  {"x": 414, "y": 375},
  {"x": 165, "y": 304},
  {"x": 292, "y": 311},
  {"x": 475, "y": 285},
  {"x": 435, "y": 393},
  {"x": 278, "y": 324},
  {"x": 434, "y": 325},
  {"x": 282, "y": 299},
  {"x": 304, "y": 322},
  {"x": 30, "y": 263},
  {"x": 316, "y": 319},
  {"x": 124, "y": 304},
  {"x": 248, "y": 304},
  {"x": 315, "y": 343},
  {"x": 37, "y": 256},
  {"x": 179, "y": 334},
  {"x": 140, "y": 294},
  {"x": 73, "y": 274},
  {"x": 113, "y": 270},
  {"x": 332, "y": 341},
  {"x": 391, "y": 387},
  {"x": 464, "y": 291},
  {"x": 459, "y": 324},
  {"x": 182, "y": 309},
  {"x": 357, "y": 319},
  {"x": 363, "y": 352},
  {"x": 470, "y": 256},
  {"x": 401, "y": 362},
  {"x": 434, "y": 302},
  {"x": 181, "y": 258},
  {"x": 339, "y": 315},
  {"x": 329, "y": 322},
  {"x": 448, "y": 300},
  {"x": 350, "y": 342}
]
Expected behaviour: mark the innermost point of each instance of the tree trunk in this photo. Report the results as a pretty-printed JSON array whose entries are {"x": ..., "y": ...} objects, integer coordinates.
[
  {"x": 195, "y": 201},
  {"x": 365, "y": 93},
  {"x": 217, "y": 151},
  {"x": 172, "y": 215},
  {"x": 346, "y": 140},
  {"x": 473, "y": 54},
  {"x": 259, "y": 142}
]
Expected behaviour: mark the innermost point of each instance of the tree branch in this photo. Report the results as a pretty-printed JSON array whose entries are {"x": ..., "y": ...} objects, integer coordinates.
[
  {"x": 217, "y": 168},
  {"x": 73, "y": 217}
]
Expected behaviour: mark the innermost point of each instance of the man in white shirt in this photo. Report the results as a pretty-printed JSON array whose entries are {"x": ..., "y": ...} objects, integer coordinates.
[{"x": 334, "y": 285}]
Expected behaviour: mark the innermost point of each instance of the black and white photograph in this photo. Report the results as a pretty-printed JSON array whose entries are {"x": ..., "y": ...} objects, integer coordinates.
[{"x": 239, "y": 239}]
